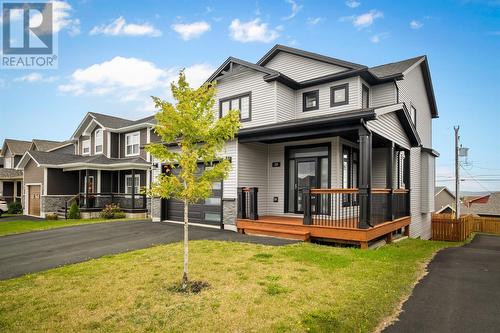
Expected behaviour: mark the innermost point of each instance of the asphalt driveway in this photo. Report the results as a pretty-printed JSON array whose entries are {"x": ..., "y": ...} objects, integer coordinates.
[
  {"x": 40, "y": 250},
  {"x": 461, "y": 293}
]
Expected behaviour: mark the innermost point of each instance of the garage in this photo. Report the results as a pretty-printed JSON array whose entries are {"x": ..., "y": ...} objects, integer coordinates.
[
  {"x": 208, "y": 212},
  {"x": 34, "y": 200}
]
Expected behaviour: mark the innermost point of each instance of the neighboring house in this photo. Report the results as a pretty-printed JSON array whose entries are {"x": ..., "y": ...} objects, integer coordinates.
[
  {"x": 444, "y": 200},
  {"x": 484, "y": 206},
  {"x": 362, "y": 135},
  {"x": 10, "y": 178},
  {"x": 107, "y": 163}
]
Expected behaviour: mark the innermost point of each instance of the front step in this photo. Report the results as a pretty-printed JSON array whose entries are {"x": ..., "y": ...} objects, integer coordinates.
[{"x": 277, "y": 232}]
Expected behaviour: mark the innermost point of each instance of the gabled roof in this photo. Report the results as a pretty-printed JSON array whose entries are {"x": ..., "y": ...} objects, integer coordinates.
[
  {"x": 439, "y": 189},
  {"x": 490, "y": 208},
  {"x": 110, "y": 121},
  {"x": 61, "y": 145},
  {"x": 16, "y": 147},
  {"x": 45, "y": 145},
  {"x": 282, "y": 48},
  {"x": 7, "y": 174},
  {"x": 61, "y": 160},
  {"x": 394, "y": 68}
]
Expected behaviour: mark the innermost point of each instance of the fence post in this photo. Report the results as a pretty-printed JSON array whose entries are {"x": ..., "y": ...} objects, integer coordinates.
[{"x": 306, "y": 199}]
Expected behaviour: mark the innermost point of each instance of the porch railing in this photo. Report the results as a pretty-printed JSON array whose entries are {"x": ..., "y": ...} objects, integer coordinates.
[
  {"x": 342, "y": 208},
  {"x": 247, "y": 203},
  {"x": 100, "y": 200}
]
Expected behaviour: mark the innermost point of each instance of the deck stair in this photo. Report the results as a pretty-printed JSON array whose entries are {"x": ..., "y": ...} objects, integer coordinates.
[{"x": 274, "y": 228}]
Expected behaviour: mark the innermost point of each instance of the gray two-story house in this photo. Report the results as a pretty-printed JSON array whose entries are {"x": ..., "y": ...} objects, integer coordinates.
[{"x": 328, "y": 149}]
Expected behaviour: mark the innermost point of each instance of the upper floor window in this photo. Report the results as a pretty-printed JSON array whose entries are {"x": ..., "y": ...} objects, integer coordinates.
[
  {"x": 98, "y": 141},
  {"x": 310, "y": 100},
  {"x": 132, "y": 144},
  {"x": 365, "y": 97},
  {"x": 413, "y": 114},
  {"x": 339, "y": 95},
  {"x": 241, "y": 103},
  {"x": 86, "y": 147}
]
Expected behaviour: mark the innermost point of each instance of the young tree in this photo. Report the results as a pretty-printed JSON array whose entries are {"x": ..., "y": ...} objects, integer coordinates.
[{"x": 199, "y": 137}]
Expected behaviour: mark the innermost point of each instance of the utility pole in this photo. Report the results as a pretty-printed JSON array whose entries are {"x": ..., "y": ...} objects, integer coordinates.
[{"x": 457, "y": 174}]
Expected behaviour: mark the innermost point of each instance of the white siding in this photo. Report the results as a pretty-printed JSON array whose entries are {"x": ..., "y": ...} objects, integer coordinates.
[
  {"x": 252, "y": 171},
  {"x": 324, "y": 99},
  {"x": 428, "y": 182},
  {"x": 379, "y": 162},
  {"x": 263, "y": 107},
  {"x": 388, "y": 126},
  {"x": 301, "y": 68},
  {"x": 285, "y": 103},
  {"x": 383, "y": 94}
]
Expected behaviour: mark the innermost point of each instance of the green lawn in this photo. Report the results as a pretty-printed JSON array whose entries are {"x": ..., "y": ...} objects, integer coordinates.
[
  {"x": 20, "y": 226},
  {"x": 254, "y": 288}
]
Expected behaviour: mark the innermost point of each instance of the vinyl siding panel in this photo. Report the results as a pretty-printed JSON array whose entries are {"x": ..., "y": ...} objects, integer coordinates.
[
  {"x": 263, "y": 104},
  {"x": 388, "y": 126},
  {"x": 324, "y": 99},
  {"x": 252, "y": 170},
  {"x": 230, "y": 184},
  {"x": 379, "y": 165},
  {"x": 383, "y": 94},
  {"x": 301, "y": 68},
  {"x": 285, "y": 103},
  {"x": 428, "y": 182},
  {"x": 33, "y": 173},
  {"x": 443, "y": 199}
]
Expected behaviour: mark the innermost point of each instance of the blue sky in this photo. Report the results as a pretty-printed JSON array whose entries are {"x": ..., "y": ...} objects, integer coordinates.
[{"x": 114, "y": 54}]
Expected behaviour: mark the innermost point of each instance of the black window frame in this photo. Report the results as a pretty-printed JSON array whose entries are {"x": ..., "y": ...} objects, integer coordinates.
[
  {"x": 239, "y": 97},
  {"x": 364, "y": 88},
  {"x": 314, "y": 93},
  {"x": 349, "y": 199},
  {"x": 344, "y": 86}
]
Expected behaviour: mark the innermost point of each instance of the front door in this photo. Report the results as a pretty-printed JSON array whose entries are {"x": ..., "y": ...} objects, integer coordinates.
[
  {"x": 34, "y": 200},
  {"x": 306, "y": 179}
]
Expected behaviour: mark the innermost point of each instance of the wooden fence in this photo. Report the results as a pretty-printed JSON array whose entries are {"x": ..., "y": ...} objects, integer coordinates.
[{"x": 446, "y": 228}]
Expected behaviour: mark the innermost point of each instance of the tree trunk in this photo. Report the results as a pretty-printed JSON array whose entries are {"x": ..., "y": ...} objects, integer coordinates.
[{"x": 186, "y": 238}]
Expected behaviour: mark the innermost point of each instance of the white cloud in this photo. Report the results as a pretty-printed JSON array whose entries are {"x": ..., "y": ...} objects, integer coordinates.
[
  {"x": 36, "y": 77},
  {"x": 252, "y": 31},
  {"x": 364, "y": 20},
  {"x": 414, "y": 24},
  {"x": 61, "y": 18},
  {"x": 189, "y": 31},
  {"x": 378, "y": 37},
  {"x": 130, "y": 79},
  {"x": 295, "y": 9},
  {"x": 352, "y": 3},
  {"x": 120, "y": 27},
  {"x": 315, "y": 20}
]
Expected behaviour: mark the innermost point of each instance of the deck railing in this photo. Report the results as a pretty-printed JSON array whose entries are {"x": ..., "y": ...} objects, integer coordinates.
[
  {"x": 124, "y": 200},
  {"x": 341, "y": 207}
]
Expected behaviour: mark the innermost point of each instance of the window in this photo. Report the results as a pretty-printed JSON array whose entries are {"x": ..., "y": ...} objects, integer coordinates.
[
  {"x": 86, "y": 147},
  {"x": 132, "y": 144},
  {"x": 413, "y": 114},
  {"x": 339, "y": 95},
  {"x": 350, "y": 162},
  {"x": 241, "y": 103},
  {"x": 98, "y": 141},
  {"x": 365, "y": 97},
  {"x": 310, "y": 100},
  {"x": 128, "y": 184}
]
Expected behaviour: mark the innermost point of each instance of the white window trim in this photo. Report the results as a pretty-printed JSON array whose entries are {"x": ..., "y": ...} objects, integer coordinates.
[
  {"x": 138, "y": 143},
  {"x": 102, "y": 141},
  {"x": 138, "y": 188},
  {"x": 84, "y": 143}
]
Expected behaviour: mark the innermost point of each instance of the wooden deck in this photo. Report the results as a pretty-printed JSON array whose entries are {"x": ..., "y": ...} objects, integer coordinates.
[{"x": 293, "y": 228}]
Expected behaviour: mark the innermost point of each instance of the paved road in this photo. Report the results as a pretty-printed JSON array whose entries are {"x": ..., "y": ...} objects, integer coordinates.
[
  {"x": 41, "y": 250},
  {"x": 461, "y": 293}
]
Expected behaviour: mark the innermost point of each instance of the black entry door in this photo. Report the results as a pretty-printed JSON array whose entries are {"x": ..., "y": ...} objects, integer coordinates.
[{"x": 306, "y": 171}]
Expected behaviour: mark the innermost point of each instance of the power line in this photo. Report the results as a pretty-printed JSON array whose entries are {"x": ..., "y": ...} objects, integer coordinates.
[{"x": 483, "y": 187}]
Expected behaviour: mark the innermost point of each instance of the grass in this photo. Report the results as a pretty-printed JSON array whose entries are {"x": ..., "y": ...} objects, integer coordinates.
[
  {"x": 21, "y": 226},
  {"x": 295, "y": 288}
]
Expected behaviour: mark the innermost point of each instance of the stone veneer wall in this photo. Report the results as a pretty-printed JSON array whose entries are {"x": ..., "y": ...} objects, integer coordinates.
[
  {"x": 155, "y": 209},
  {"x": 51, "y": 203},
  {"x": 229, "y": 213}
]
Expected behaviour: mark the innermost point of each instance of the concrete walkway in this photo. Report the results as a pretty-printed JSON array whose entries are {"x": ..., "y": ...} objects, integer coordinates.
[
  {"x": 461, "y": 293},
  {"x": 40, "y": 250}
]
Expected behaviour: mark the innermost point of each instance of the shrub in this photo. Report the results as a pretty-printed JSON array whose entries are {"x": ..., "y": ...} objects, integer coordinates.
[
  {"x": 112, "y": 211},
  {"x": 74, "y": 211},
  {"x": 51, "y": 216},
  {"x": 15, "y": 207}
]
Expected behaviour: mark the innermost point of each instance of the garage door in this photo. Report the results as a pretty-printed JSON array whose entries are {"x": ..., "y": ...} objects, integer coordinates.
[
  {"x": 206, "y": 212},
  {"x": 34, "y": 200}
]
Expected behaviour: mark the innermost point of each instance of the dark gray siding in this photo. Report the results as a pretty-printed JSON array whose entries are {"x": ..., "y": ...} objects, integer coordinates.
[
  {"x": 61, "y": 182},
  {"x": 114, "y": 145},
  {"x": 109, "y": 181}
]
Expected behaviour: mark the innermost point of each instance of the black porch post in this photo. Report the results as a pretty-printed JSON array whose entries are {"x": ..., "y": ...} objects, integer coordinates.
[
  {"x": 86, "y": 188},
  {"x": 365, "y": 177},
  {"x": 390, "y": 181},
  {"x": 133, "y": 188}
]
